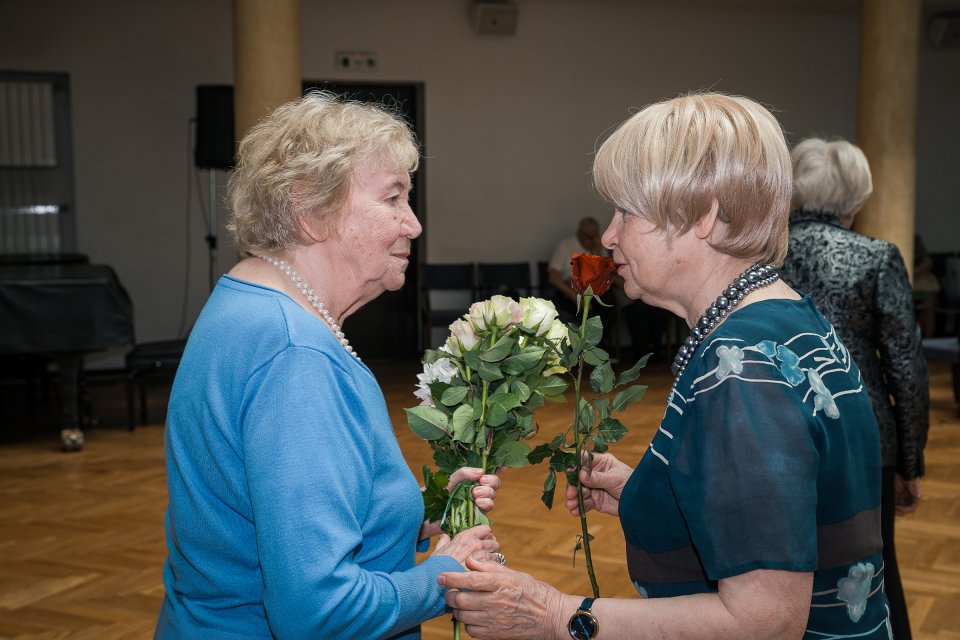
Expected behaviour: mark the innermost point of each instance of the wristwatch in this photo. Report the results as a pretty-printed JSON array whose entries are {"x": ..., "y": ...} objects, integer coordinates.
[{"x": 583, "y": 625}]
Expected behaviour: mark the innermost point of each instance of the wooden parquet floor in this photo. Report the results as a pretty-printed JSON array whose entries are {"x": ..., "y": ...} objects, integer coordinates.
[{"x": 82, "y": 541}]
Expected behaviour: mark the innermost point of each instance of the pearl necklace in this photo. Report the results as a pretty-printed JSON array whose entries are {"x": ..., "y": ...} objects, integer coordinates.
[
  {"x": 759, "y": 275},
  {"x": 305, "y": 289}
]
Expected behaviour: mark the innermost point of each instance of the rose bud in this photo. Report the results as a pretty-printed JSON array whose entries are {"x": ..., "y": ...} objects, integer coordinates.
[{"x": 596, "y": 272}]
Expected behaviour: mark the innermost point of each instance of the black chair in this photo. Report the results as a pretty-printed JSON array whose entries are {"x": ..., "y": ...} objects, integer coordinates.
[
  {"x": 148, "y": 362},
  {"x": 504, "y": 278},
  {"x": 447, "y": 290}
]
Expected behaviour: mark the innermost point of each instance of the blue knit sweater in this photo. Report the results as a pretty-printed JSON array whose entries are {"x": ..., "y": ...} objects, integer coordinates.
[{"x": 292, "y": 511}]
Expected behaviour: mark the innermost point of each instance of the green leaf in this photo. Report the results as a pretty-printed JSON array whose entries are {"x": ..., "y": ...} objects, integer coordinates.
[
  {"x": 489, "y": 371},
  {"x": 511, "y": 454},
  {"x": 481, "y": 441},
  {"x": 524, "y": 424},
  {"x": 522, "y": 390},
  {"x": 454, "y": 396},
  {"x": 539, "y": 453},
  {"x": 603, "y": 407},
  {"x": 562, "y": 460},
  {"x": 464, "y": 428},
  {"x": 527, "y": 359},
  {"x": 477, "y": 406},
  {"x": 498, "y": 351},
  {"x": 506, "y": 400},
  {"x": 585, "y": 418},
  {"x": 552, "y": 386},
  {"x": 611, "y": 430},
  {"x": 595, "y": 356},
  {"x": 576, "y": 341},
  {"x": 472, "y": 358},
  {"x": 570, "y": 359},
  {"x": 601, "y": 378},
  {"x": 628, "y": 395},
  {"x": 594, "y": 332},
  {"x": 549, "y": 487},
  {"x": 634, "y": 372},
  {"x": 536, "y": 400},
  {"x": 448, "y": 462},
  {"x": 496, "y": 415},
  {"x": 435, "y": 494},
  {"x": 557, "y": 441},
  {"x": 437, "y": 389},
  {"x": 428, "y": 423},
  {"x": 510, "y": 368},
  {"x": 599, "y": 444}
]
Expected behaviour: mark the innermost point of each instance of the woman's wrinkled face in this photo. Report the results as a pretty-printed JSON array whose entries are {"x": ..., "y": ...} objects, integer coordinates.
[
  {"x": 643, "y": 255},
  {"x": 376, "y": 228}
]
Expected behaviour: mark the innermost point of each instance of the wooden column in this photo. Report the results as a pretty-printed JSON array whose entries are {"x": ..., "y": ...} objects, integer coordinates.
[
  {"x": 889, "y": 54},
  {"x": 266, "y": 58}
]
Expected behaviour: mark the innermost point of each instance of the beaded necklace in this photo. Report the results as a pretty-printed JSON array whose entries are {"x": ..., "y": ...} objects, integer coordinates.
[
  {"x": 759, "y": 275},
  {"x": 305, "y": 289}
]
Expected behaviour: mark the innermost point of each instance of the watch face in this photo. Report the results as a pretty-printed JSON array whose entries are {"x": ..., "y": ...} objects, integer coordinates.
[{"x": 583, "y": 626}]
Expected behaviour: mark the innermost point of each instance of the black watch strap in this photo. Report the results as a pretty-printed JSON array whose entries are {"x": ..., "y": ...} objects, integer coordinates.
[{"x": 583, "y": 625}]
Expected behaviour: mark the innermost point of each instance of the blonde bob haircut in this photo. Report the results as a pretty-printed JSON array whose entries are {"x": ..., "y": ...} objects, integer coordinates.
[
  {"x": 832, "y": 177},
  {"x": 671, "y": 160},
  {"x": 300, "y": 160}
]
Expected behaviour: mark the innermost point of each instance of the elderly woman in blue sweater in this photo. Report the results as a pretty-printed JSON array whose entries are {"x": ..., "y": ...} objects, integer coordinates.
[{"x": 292, "y": 512}]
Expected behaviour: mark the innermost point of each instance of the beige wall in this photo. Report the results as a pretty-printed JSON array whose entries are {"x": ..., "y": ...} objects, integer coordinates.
[{"x": 510, "y": 121}]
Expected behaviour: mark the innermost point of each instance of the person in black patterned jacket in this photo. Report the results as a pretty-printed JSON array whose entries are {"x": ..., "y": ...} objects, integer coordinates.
[{"x": 861, "y": 286}]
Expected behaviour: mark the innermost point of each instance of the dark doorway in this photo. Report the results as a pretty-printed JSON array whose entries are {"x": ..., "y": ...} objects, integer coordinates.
[{"x": 388, "y": 326}]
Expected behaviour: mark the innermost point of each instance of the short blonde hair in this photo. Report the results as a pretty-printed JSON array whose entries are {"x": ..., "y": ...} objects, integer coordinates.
[
  {"x": 300, "y": 159},
  {"x": 833, "y": 177},
  {"x": 668, "y": 163}
]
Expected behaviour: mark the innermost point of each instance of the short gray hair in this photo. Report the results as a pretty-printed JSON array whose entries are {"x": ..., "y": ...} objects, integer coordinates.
[
  {"x": 833, "y": 177},
  {"x": 300, "y": 159},
  {"x": 669, "y": 161}
]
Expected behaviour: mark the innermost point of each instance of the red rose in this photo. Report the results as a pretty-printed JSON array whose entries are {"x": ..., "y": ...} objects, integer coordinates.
[{"x": 592, "y": 271}]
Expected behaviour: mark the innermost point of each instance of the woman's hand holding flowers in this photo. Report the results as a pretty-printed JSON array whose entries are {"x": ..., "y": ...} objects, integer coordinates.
[
  {"x": 484, "y": 494},
  {"x": 496, "y": 602},
  {"x": 477, "y": 543},
  {"x": 603, "y": 481}
]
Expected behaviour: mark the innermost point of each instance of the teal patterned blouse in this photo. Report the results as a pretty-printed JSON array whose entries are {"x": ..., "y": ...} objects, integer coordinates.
[{"x": 767, "y": 458}]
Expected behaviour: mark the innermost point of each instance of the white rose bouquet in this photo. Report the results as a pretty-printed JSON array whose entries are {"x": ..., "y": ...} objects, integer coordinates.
[{"x": 478, "y": 393}]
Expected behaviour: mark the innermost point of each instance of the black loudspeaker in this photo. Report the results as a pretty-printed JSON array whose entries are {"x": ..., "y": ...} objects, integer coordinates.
[{"x": 215, "y": 142}]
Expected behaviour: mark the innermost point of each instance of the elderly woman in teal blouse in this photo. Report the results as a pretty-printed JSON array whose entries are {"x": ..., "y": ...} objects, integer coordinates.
[
  {"x": 292, "y": 512},
  {"x": 754, "y": 512}
]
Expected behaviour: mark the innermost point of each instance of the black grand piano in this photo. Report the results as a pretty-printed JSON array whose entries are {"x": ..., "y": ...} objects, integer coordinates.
[{"x": 61, "y": 307}]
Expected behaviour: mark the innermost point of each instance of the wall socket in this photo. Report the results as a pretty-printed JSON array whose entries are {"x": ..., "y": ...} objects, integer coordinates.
[{"x": 356, "y": 60}]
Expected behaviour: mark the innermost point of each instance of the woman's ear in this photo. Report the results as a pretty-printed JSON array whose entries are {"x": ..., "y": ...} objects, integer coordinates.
[
  {"x": 709, "y": 223},
  {"x": 309, "y": 225},
  {"x": 311, "y": 228}
]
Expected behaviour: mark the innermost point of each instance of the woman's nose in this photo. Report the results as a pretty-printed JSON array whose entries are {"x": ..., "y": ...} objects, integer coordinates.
[
  {"x": 609, "y": 237},
  {"x": 413, "y": 227}
]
